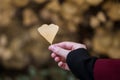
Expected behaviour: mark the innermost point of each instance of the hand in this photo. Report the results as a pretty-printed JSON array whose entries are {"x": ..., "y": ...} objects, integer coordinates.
[{"x": 61, "y": 50}]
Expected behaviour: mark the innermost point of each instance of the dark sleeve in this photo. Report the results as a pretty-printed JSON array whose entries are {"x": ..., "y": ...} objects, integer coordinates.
[{"x": 81, "y": 64}]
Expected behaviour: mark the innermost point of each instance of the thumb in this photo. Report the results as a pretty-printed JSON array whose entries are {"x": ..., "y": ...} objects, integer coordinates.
[{"x": 59, "y": 51}]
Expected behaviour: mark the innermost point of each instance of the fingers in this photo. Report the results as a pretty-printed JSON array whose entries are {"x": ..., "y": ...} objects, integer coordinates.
[
  {"x": 70, "y": 45},
  {"x": 60, "y": 64},
  {"x": 57, "y": 59},
  {"x": 53, "y": 55},
  {"x": 78, "y": 46},
  {"x": 59, "y": 51},
  {"x": 63, "y": 65},
  {"x": 66, "y": 45},
  {"x": 63, "y": 48}
]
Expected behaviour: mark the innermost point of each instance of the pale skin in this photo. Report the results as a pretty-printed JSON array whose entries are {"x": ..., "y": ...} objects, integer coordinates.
[{"x": 61, "y": 50}]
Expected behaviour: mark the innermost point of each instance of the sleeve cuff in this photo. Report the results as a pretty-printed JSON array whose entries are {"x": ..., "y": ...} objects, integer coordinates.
[{"x": 81, "y": 64}]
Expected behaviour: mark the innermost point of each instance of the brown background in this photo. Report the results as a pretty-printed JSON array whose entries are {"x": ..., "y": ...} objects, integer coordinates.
[{"x": 24, "y": 53}]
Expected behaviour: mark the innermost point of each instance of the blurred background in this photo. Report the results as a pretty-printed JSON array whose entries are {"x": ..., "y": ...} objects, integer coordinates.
[{"x": 24, "y": 54}]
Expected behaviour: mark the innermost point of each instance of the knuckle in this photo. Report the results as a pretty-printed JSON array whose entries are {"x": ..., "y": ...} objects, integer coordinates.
[
  {"x": 81, "y": 46},
  {"x": 84, "y": 46},
  {"x": 57, "y": 50}
]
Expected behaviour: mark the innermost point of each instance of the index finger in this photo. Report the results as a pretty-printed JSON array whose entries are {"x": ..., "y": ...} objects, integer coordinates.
[{"x": 68, "y": 45}]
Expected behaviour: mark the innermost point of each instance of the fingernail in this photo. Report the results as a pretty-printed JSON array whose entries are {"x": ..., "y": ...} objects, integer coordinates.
[{"x": 52, "y": 47}]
